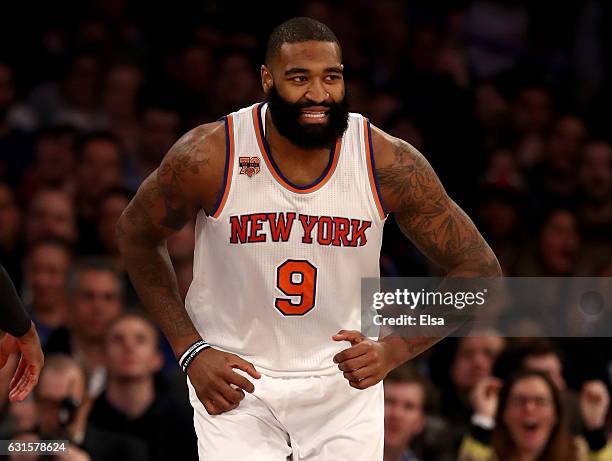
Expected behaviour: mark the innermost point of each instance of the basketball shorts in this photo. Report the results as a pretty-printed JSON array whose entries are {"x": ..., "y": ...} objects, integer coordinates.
[{"x": 315, "y": 418}]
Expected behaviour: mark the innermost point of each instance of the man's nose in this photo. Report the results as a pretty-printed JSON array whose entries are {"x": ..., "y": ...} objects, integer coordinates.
[{"x": 317, "y": 92}]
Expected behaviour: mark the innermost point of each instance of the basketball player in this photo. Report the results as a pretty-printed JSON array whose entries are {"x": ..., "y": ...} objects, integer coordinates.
[
  {"x": 291, "y": 196},
  {"x": 18, "y": 335}
]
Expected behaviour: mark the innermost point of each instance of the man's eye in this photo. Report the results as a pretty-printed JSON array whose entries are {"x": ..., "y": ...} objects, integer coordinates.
[
  {"x": 333, "y": 77},
  {"x": 299, "y": 79}
]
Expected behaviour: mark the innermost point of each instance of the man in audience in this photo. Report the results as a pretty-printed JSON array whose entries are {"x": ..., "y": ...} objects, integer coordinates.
[
  {"x": 99, "y": 169},
  {"x": 95, "y": 300},
  {"x": 63, "y": 409},
  {"x": 405, "y": 397},
  {"x": 131, "y": 404},
  {"x": 51, "y": 214},
  {"x": 457, "y": 367},
  {"x": 47, "y": 267}
]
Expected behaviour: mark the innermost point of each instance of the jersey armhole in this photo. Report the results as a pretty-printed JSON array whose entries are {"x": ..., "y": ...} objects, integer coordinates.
[
  {"x": 229, "y": 167},
  {"x": 369, "y": 149}
]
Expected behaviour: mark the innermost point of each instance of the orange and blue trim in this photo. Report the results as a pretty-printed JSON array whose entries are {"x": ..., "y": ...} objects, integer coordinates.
[
  {"x": 229, "y": 166},
  {"x": 334, "y": 154},
  {"x": 367, "y": 130}
]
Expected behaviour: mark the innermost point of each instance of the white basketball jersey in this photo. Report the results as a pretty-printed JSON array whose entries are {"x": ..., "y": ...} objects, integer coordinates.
[{"x": 278, "y": 267}]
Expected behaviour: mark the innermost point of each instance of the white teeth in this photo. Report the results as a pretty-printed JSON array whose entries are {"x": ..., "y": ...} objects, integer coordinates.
[{"x": 314, "y": 115}]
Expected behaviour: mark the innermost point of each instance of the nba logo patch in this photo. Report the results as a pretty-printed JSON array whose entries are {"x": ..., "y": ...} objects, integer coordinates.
[{"x": 249, "y": 165}]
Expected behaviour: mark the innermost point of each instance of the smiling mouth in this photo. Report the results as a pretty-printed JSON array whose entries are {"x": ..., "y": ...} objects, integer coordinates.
[
  {"x": 314, "y": 115},
  {"x": 530, "y": 425}
]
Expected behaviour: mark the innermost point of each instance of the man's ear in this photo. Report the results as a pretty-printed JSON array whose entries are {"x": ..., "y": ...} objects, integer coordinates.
[{"x": 266, "y": 79}]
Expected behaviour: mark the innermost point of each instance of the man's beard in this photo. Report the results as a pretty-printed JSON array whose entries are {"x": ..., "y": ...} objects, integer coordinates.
[{"x": 286, "y": 118}]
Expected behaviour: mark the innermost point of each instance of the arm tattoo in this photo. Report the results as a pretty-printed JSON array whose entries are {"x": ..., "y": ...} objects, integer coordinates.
[
  {"x": 180, "y": 162},
  {"x": 427, "y": 216},
  {"x": 151, "y": 271}
]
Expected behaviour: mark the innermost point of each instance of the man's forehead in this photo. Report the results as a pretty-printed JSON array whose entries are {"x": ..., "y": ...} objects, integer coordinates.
[
  {"x": 308, "y": 54},
  {"x": 55, "y": 383},
  {"x": 131, "y": 326}
]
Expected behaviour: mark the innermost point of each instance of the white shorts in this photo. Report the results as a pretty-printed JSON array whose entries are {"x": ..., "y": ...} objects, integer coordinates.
[{"x": 316, "y": 418}]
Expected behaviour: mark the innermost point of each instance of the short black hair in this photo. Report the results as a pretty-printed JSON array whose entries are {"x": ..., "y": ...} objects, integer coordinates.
[
  {"x": 297, "y": 30},
  {"x": 101, "y": 135}
]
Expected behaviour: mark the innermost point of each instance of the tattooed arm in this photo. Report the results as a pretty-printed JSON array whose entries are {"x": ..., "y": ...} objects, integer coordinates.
[
  {"x": 164, "y": 203},
  {"x": 429, "y": 217},
  {"x": 426, "y": 214},
  {"x": 438, "y": 227},
  {"x": 189, "y": 178}
]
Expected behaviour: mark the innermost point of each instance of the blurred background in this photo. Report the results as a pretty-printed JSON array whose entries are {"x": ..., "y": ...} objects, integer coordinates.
[{"x": 509, "y": 100}]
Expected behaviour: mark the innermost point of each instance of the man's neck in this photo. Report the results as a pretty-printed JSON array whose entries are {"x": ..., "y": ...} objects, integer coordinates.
[
  {"x": 132, "y": 397},
  {"x": 306, "y": 165},
  {"x": 52, "y": 315},
  {"x": 92, "y": 351}
]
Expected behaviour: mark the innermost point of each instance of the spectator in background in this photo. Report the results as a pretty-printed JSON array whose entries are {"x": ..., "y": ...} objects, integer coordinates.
[
  {"x": 491, "y": 112},
  {"x": 23, "y": 416},
  {"x": 499, "y": 214},
  {"x": 54, "y": 162},
  {"x": 130, "y": 404},
  {"x": 474, "y": 359},
  {"x": 63, "y": 408},
  {"x": 496, "y": 36},
  {"x": 555, "y": 177},
  {"x": 470, "y": 360},
  {"x": 100, "y": 168},
  {"x": 76, "y": 99},
  {"x": 95, "y": 300},
  {"x": 559, "y": 244},
  {"x": 531, "y": 114},
  {"x": 540, "y": 354},
  {"x": 47, "y": 267},
  {"x": 191, "y": 68},
  {"x": 15, "y": 145},
  {"x": 11, "y": 238},
  {"x": 595, "y": 186},
  {"x": 159, "y": 129},
  {"x": 121, "y": 92},
  {"x": 405, "y": 398},
  {"x": 112, "y": 204},
  {"x": 526, "y": 421},
  {"x": 51, "y": 214},
  {"x": 557, "y": 247},
  {"x": 239, "y": 86}
]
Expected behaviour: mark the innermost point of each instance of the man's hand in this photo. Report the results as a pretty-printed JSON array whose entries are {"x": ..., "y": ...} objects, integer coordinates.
[
  {"x": 30, "y": 364},
  {"x": 594, "y": 403},
  {"x": 218, "y": 387},
  {"x": 485, "y": 396},
  {"x": 366, "y": 362}
]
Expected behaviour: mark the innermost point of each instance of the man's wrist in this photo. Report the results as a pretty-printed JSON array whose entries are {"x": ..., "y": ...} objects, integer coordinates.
[
  {"x": 395, "y": 350},
  {"x": 181, "y": 344},
  {"x": 191, "y": 353},
  {"x": 482, "y": 420}
]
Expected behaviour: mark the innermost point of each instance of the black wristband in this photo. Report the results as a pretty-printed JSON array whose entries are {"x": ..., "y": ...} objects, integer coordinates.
[
  {"x": 13, "y": 317},
  {"x": 481, "y": 434},
  {"x": 191, "y": 352}
]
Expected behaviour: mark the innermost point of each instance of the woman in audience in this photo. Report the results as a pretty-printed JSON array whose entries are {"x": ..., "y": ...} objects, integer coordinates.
[{"x": 524, "y": 420}]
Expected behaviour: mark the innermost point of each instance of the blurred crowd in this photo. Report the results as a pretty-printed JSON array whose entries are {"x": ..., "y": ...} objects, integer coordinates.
[{"x": 509, "y": 100}]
